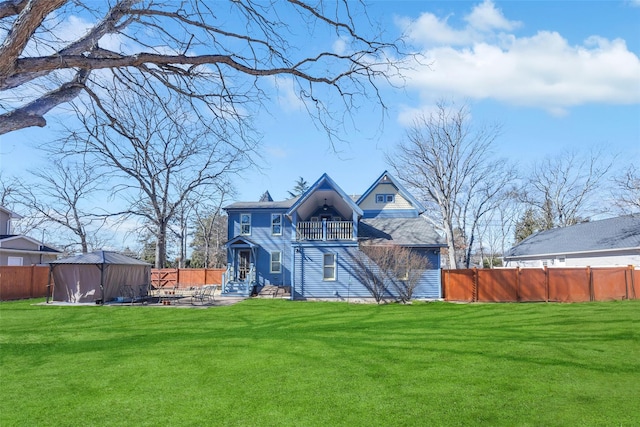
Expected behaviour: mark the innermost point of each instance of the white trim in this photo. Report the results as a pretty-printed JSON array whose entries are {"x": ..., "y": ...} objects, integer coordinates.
[
  {"x": 28, "y": 251},
  {"x": 271, "y": 261},
  {"x": 280, "y": 224},
  {"x": 17, "y": 261},
  {"x": 554, "y": 254},
  {"x": 334, "y": 266},
  {"x": 241, "y": 224}
]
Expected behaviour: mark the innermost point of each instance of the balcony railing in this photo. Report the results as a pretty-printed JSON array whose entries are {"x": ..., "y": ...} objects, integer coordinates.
[{"x": 324, "y": 230}]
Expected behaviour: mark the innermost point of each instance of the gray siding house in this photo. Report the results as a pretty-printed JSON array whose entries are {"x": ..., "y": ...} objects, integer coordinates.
[
  {"x": 608, "y": 242},
  {"x": 18, "y": 250}
]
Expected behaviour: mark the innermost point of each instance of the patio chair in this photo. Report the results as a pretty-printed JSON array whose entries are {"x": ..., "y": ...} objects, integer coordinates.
[{"x": 204, "y": 295}]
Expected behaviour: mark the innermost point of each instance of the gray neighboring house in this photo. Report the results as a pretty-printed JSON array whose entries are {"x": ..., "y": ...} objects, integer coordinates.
[
  {"x": 17, "y": 250},
  {"x": 608, "y": 242}
]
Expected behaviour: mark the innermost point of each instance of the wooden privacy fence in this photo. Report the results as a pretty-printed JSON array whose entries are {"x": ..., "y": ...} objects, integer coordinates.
[
  {"x": 548, "y": 284},
  {"x": 185, "y": 277},
  {"x": 23, "y": 282}
]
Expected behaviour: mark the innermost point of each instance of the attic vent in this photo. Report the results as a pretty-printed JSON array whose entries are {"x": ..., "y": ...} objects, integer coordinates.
[{"x": 385, "y": 178}]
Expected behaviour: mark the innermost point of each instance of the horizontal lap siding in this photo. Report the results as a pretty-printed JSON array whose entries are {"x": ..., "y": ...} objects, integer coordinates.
[
  {"x": 429, "y": 286},
  {"x": 309, "y": 282}
]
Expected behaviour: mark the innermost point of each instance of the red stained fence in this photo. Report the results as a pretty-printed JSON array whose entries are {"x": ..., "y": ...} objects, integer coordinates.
[
  {"x": 32, "y": 282},
  {"x": 23, "y": 282},
  {"x": 185, "y": 277},
  {"x": 548, "y": 284}
]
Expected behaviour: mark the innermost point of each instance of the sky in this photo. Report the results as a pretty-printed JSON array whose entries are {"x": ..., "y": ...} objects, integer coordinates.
[{"x": 557, "y": 75}]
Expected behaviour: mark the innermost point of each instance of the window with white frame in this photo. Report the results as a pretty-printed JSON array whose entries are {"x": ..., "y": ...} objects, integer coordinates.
[
  {"x": 276, "y": 224},
  {"x": 329, "y": 267},
  {"x": 276, "y": 262},
  {"x": 388, "y": 198},
  {"x": 379, "y": 198},
  {"x": 14, "y": 261},
  {"x": 245, "y": 224}
]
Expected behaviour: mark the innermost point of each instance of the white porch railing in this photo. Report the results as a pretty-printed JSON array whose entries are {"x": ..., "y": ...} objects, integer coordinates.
[
  {"x": 232, "y": 285},
  {"x": 325, "y": 230}
]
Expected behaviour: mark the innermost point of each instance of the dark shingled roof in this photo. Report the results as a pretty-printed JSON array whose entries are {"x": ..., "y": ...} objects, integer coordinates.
[
  {"x": 401, "y": 231},
  {"x": 285, "y": 204},
  {"x": 614, "y": 233}
]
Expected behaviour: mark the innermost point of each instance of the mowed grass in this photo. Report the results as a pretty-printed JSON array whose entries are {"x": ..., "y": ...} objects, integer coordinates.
[{"x": 283, "y": 363}]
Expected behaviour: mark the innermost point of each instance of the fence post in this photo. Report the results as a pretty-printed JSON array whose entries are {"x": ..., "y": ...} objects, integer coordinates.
[
  {"x": 518, "y": 284},
  {"x": 633, "y": 284},
  {"x": 592, "y": 293},
  {"x": 546, "y": 283},
  {"x": 475, "y": 284}
]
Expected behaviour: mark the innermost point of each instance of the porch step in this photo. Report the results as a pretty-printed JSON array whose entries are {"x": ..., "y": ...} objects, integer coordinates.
[{"x": 271, "y": 291}]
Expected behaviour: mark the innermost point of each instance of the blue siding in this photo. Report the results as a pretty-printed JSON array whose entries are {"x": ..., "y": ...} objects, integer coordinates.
[
  {"x": 310, "y": 284},
  {"x": 261, "y": 236}
]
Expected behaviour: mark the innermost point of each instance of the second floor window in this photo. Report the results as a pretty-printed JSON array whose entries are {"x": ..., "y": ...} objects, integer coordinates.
[
  {"x": 245, "y": 224},
  {"x": 276, "y": 224}
]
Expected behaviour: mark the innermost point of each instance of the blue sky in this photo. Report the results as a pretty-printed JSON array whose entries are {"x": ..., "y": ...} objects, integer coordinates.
[{"x": 556, "y": 74}]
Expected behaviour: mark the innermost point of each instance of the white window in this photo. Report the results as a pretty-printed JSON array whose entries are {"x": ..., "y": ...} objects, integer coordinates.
[
  {"x": 379, "y": 198},
  {"x": 329, "y": 267},
  {"x": 389, "y": 198},
  {"x": 245, "y": 224},
  {"x": 276, "y": 262},
  {"x": 276, "y": 224},
  {"x": 14, "y": 261}
]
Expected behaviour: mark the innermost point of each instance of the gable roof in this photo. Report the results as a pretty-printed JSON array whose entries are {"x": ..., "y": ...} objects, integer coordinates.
[
  {"x": 386, "y": 177},
  {"x": 416, "y": 232},
  {"x": 283, "y": 204},
  {"x": 603, "y": 235},
  {"x": 10, "y": 213},
  {"x": 266, "y": 197},
  {"x": 101, "y": 257},
  {"x": 6, "y": 238},
  {"x": 324, "y": 183}
]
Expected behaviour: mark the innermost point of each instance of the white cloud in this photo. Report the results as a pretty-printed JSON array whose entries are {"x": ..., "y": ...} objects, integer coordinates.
[
  {"x": 485, "y": 17},
  {"x": 481, "y": 61}
]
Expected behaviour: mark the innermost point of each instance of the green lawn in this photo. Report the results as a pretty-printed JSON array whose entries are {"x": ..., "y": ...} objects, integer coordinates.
[{"x": 283, "y": 363}]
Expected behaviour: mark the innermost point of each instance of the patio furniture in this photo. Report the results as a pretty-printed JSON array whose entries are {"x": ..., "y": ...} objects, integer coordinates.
[{"x": 204, "y": 295}]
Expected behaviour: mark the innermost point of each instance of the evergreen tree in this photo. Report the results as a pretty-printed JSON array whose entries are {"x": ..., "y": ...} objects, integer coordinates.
[{"x": 300, "y": 187}]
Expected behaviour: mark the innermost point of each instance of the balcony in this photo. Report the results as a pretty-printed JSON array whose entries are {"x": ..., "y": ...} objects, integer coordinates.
[{"x": 324, "y": 230}]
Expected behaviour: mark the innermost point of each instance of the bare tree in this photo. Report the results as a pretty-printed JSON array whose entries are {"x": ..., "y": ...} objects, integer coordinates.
[
  {"x": 407, "y": 269},
  {"x": 8, "y": 190},
  {"x": 371, "y": 265},
  {"x": 59, "y": 195},
  {"x": 159, "y": 152},
  {"x": 627, "y": 190},
  {"x": 452, "y": 166},
  {"x": 562, "y": 188},
  {"x": 220, "y": 56},
  {"x": 210, "y": 232}
]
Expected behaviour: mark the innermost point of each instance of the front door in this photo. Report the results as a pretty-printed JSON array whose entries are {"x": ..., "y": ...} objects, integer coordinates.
[{"x": 244, "y": 261}]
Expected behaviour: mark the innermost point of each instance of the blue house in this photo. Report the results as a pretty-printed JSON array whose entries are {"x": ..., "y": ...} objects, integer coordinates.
[{"x": 307, "y": 245}]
